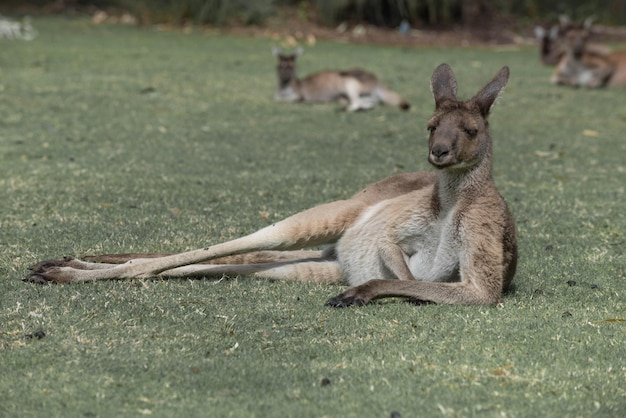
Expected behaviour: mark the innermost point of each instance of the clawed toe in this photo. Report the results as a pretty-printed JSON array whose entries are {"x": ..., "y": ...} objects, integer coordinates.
[{"x": 49, "y": 271}]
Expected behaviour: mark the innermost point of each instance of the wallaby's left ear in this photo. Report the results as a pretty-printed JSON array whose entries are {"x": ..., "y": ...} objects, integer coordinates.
[
  {"x": 487, "y": 96},
  {"x": 443, "y": 84}
]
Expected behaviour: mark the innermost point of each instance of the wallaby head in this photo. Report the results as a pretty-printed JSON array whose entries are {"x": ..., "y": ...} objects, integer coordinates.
[
  {"x": 556, "y": 39},
  {"x": 286, "y": 65},
  {"x": 576, "y": 38},
  {"x": 459, "y": 132},
  {"x": 550, "y": 41}
]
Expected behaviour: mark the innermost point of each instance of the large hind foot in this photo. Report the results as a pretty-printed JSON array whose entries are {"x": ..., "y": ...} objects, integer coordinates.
[{"x": 59, "y": 271}]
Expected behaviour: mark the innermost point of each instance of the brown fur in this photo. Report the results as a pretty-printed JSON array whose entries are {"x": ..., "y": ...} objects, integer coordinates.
[
  {"x": 584, "y": 64},
  {"x": 360, "y": 88},
  {"x": 444, "y": 237},
  {"x": 553, "y": 40}
]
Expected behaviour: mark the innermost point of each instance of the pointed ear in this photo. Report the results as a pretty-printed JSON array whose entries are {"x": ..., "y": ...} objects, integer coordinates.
[
  {"x": 443, "y": 84},
  {"x": 487, "y": 96},
  {"x": 276, "y": 51}
]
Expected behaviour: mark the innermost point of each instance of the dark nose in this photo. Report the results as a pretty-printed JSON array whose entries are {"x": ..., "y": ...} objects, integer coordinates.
[{"x": 439, "y": 150}]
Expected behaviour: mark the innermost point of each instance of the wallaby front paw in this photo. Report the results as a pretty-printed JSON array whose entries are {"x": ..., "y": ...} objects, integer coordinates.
[{"x": 348, "y": 298}]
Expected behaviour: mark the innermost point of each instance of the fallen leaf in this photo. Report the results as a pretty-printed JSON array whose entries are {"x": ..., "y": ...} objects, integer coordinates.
[
  {"x": 589, "y": 132},
  {"x": 502, "y": 371},
  {"x": 547, "y": 154}
]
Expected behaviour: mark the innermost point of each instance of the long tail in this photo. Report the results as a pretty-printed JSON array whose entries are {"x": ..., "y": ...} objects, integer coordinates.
[{"x": 392, "y": 98}]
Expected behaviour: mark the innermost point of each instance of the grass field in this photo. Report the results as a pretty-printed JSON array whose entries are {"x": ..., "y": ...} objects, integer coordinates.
[{"x": 116, "y": 139}]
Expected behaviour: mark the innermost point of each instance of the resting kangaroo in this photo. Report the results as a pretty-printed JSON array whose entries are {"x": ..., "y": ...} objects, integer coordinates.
[
  {"x": 553, "y": 45},
  {"x": 361, "y": 89},
  {"x": 444, "y": 237},
  {"x": 584, "y": 64}
]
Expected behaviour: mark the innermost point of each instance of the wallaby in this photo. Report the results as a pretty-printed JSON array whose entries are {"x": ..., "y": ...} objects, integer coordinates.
[
  {"x": 584, "y": 64},
  {"x": 360, "y": 88},
  {"x": 550, "y": 43},
  {"x": 443, "y": 237},
  {"x": 552, "y": 40}
]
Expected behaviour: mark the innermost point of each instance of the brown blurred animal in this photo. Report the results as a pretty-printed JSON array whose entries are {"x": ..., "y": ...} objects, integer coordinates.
[
  {"x": 552, "y": 40},
  {"x": 444, "y": 237},
  {"x": 585, "y": 65},
  {"x": 360, "y": 88}
]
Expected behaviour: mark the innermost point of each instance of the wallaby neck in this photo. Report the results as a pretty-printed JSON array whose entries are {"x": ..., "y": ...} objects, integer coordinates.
[
  {"x": 292, "y": 82},
  {"x": 454, "y": 185}
]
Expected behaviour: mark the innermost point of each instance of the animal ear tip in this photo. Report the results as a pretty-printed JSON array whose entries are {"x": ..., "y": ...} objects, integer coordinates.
[{"x": 503, "y": 74}]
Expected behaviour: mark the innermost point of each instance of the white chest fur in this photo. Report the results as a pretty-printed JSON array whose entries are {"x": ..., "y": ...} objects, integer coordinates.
[
  {"x": 286, "y": 94},
  {"x": 434, "y": 255},
  {"x": 429, "y": 244}
]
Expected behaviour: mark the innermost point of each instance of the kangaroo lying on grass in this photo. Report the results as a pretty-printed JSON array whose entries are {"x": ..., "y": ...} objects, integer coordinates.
[
  {"x": 362, "y": 89},
  {"x": 444, "y": 237},
  {"x": 553, "y": 45},
  {"x": 584, "y": 64}
]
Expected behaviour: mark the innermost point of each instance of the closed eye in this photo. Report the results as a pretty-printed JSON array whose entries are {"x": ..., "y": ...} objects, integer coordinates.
[
  {"x": 471, "y": 132},
  {"x": 431, "y": 128}
]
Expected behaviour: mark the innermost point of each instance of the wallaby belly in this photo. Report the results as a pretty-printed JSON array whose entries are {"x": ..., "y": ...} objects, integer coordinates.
[{"x": 429, "y": 245}]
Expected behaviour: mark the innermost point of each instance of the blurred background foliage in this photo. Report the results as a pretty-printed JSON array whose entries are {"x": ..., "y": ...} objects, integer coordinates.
[{"x": 382, "y": 13}]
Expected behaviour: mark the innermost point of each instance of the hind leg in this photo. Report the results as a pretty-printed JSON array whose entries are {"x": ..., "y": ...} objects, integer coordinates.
[
  {"x": 320, "y": 225},
  {"x": 248, "y": 258},
  {"x": 316, "y": 271}
]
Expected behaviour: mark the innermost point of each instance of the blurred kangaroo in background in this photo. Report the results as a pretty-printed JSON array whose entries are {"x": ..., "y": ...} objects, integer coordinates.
[
  {"x": 361, "y": 88},
  {"x": 444, "y": 237},
  {"x": 584, "y": 64},
  {"x": 552, "y": 40}
]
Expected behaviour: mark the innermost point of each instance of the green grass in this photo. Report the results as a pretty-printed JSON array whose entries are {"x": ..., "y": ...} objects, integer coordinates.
[{"x": 116, "y": 139}]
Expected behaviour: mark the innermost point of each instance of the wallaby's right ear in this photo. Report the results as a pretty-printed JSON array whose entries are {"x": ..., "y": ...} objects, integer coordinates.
[
  {"x": 443, "y": 84},
  {"x": 298, "y": 51},
  {"x": 487, "y": 96}
]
